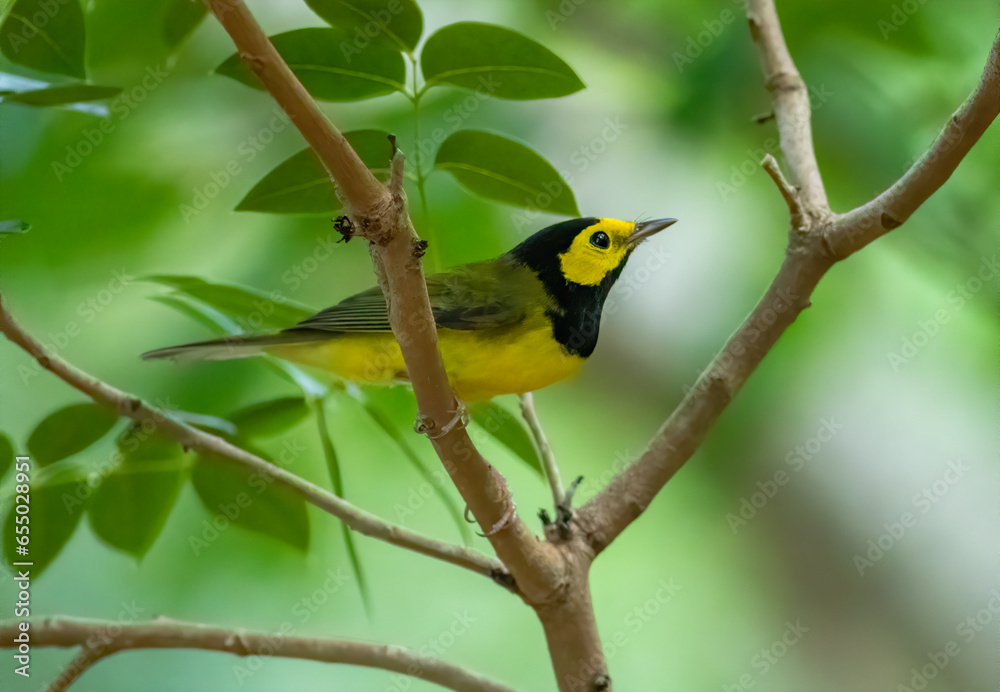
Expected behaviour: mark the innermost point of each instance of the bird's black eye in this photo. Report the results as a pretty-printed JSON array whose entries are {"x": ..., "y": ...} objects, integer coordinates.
[{"x": 601, "y": 240}]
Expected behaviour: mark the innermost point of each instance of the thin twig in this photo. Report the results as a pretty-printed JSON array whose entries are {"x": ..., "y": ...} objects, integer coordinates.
[
  {"x": 544, "y": 450},
  {"x": 102, "y": 638},
  {"x": 192, "y": 438},
  {"x": 789, "y": 193},
  {"x": 792, "y": 109}
]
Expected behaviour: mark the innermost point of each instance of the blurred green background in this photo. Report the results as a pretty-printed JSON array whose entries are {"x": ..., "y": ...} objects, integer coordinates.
[{"x": 688, "y": 147}]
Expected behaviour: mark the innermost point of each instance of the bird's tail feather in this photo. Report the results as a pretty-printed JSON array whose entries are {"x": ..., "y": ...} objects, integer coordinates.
[{"x": 231, "y": 347}]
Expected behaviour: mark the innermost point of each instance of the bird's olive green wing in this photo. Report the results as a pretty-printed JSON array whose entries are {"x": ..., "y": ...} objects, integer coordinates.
[{"x": 473, "y": 296}]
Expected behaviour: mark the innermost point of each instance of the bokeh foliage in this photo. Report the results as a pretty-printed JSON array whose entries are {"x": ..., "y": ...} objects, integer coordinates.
[{"x": 665, "y": 127}]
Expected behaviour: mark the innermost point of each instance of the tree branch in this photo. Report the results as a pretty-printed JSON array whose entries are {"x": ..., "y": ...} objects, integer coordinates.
[
  {"x": 606, "y": 515},
  {"x": 816, "y": 242},
  {"x": 192, "y": 438},
  {"x": 792, "y": 111},
  {"x": 379, "y": 214},
  {"x": 88, "y": 656},
  {"x": 855, "y": 229},
  {"x": 544, "y": 450},
  {"x": 104, "y": 638},
  {"x": 788, "y": 193}
]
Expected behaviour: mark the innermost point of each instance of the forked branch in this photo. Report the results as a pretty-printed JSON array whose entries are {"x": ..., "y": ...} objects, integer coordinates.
[{"x": 817, "y": 241}]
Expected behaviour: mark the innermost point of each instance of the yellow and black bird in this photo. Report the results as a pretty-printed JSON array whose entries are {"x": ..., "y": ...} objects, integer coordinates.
[{"x": 507, "y": 326}]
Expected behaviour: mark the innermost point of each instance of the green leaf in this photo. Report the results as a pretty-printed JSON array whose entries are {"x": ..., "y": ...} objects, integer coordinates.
[
  {"x": 55, "y": 512},
  {"x": 502, "y": 170},
  {"x": 301, "y": 185},
  {"x": 45, "y": 36},
  {"x": 6, "y": 455},
  {"x": 496, "y": 62},
  {"x": 235, "y": 494},
  {"x": 270, "y": 418},
  {"x": 212, "y": 424},
  {"x": 180, "y": 18},
  {"x": 337, "y": 480},
  {"x": 317, "y": 57},
  {"x": 251, "y": 310},
  {"x": 508, "y": 430},
  {"x": 14, "y": 226},
  {"x": 79, "y": 472},
  {"x": 395, "y": 24},
  {"x": 199, "y": 313},
  {"x": 131, "y": 507},
  {"x": 61, "y": 95},
  {"x": 217, "y": 323},
  {"x": 309, "y": 385},
  {"x": 68, "y": 431}
]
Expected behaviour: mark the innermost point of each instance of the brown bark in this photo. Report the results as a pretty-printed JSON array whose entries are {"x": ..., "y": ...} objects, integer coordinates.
[{"x": 100, "y": 638}]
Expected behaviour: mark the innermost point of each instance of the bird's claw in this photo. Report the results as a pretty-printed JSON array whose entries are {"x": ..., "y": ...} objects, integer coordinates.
[
  {"x": 564, "y": 512},
  {"x": 564, "y": 509},
  {"x": 425, "y": 425}
]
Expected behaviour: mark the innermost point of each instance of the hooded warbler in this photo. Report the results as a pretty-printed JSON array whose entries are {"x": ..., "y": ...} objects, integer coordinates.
[{"x": 507, "y": 326}]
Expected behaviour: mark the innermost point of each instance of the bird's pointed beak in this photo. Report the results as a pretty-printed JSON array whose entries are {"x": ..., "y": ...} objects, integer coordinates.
[{"x": 644, "y": 229}]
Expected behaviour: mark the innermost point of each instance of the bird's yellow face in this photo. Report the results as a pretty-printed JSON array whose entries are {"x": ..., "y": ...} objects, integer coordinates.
[{"x": 597, "y": 250}]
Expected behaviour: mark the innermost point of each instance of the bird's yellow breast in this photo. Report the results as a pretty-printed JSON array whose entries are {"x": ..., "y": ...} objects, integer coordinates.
[{"x": 481, "y": 363}]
